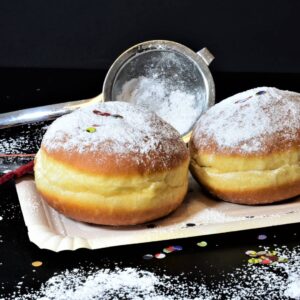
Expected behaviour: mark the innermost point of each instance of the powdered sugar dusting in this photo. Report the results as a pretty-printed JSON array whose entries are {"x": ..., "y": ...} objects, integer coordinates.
[
  {"x": 178, "y": 107},
  {"x": 246, "y": 120},
  {"x": 214, "y": 216},
  {"x": 129, "y": 129},
  {"x": 127, "y": 283},
  {"x": 276, "y": 281},
  {"x": 293, "y": 286}
]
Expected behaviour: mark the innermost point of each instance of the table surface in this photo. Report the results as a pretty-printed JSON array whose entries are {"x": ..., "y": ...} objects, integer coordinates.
[{"x": 210, "y": 265}]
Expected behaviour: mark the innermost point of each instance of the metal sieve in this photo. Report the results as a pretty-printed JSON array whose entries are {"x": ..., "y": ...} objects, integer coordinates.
[{"x": 173, "y": 64}]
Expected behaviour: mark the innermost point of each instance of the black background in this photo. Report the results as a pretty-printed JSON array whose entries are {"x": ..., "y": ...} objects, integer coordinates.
[
  {"x": 57, "y": 51},
  {"x": 245, "y": 36}
]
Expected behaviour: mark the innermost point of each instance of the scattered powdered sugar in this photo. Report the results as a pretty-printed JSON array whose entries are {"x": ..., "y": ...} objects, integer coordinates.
[
  {"x": 189, "y": 215},
  {"x": 125, "y": 129},
  {"x": 246, "y": 120},
  {"x": 18, "y": 145},
  {"x": 276, "y": 281},
  {"x": 214, "y": 216},
  {"x": 127, "y": 283},
  {"x": 22, "y": 140},
  {"x": 176, "y": 106},
  {"x": 293, "y": 286}
]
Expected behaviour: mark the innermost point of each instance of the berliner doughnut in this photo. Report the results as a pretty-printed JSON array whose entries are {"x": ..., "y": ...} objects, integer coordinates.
[
  {"x": 112, "y": 163},
  {"x": 246, "y": 149}
]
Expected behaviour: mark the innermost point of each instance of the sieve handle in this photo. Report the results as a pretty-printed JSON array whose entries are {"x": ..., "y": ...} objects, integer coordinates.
[{"x": 206, "y": 55}]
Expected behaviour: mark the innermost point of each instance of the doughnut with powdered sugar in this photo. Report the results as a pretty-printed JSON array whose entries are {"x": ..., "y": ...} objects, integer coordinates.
[
  {"x": 112, "y": 163},
  {"x": 246, "y": 149}
]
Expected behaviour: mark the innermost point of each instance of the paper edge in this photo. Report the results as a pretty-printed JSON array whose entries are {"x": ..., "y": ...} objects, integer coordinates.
[{"x": 45, "y": 238}]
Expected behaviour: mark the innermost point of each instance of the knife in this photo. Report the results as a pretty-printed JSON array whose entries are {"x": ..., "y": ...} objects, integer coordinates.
[{"x": 43, "y": 113}]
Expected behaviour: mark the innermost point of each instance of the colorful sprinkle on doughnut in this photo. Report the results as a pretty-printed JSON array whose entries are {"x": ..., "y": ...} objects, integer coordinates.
[
  {"x": 91, "y": 129},
  {"x": 260, "y": 92},
  {"x": 106, "y": 114}
]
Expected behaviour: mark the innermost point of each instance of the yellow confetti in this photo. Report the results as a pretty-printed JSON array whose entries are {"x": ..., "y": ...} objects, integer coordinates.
[{"x": 36, "y": 263}]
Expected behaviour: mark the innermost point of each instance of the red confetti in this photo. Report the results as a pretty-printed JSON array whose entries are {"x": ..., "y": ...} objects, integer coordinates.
[
  {"x": 160, "y": 255},
  {"x": 105, "y": 114},
  {"x": 100, "y": 113},
  {"x": 266, "y": 261},
  {"x": 273, "y": 258}
]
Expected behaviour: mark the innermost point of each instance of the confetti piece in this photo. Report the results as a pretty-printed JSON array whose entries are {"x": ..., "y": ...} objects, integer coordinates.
[
  {"x": 261, "y": 253},
  {"x": 254, "y": 260},
  {"x": 177, "y": 248},
  {"x": 169, "y": 249},
  {"x": 260, "y": 92},
  {"x": 148, "y": 256},
  {"x": 202, "y": 244},
  {"x": 117, "y": 116},
  {"x": 91, "y": 129},
  {"x": 251, "y": 253},
  {"x": 100, "y": 113},
  {"x": 271, "y": 253},
  {"x": 266, "y": 261},
  {"x": 36, "y": 263},
  {"x": 273, "y": 258},
  {"x": 105, "y": 114},
  {"x": 160, "y": 255},
  {"x": 262, "y": 237}
]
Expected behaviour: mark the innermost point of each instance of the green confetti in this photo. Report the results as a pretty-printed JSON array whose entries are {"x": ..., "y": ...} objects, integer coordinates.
[
  {"x": 91, "y": 129},
  {"x": 202, "y": 244},
  {"x": 254, "y": 260}
]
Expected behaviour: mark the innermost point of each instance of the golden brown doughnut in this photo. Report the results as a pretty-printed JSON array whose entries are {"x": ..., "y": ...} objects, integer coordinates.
[
  {"x": 112, "y": 163},
  {"x": 246, "y": 149}
]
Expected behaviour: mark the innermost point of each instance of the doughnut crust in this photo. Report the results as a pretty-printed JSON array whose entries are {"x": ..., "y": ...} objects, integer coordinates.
[
  {"x": 246, "y": 149},
  {"x": 131, "y": 169}
]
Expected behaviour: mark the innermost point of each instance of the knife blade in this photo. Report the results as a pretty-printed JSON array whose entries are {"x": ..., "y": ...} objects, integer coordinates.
[{"x": 43, "y": 113}]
